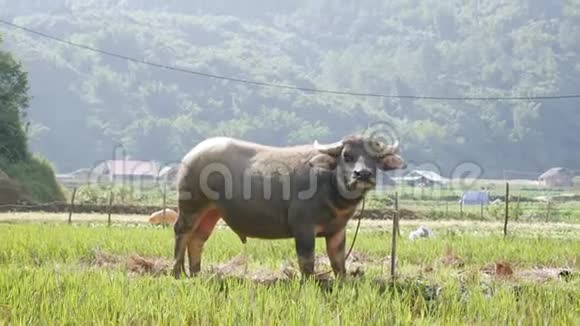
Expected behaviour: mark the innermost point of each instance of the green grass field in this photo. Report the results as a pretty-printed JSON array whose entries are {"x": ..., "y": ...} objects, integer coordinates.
[{"x": 75, "y": 274}]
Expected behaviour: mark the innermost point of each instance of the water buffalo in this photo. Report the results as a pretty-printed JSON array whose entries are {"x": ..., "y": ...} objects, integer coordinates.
[
  {"x": 164, "y": 217},
  {"x": 265, "y": 192}
]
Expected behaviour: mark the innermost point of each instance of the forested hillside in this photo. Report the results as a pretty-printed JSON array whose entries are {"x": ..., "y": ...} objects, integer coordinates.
[
  {"x": 23, "y": 177},
  {"x": 84, "y": 103}
]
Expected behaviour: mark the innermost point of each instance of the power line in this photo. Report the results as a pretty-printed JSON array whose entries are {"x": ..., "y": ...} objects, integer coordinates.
[{"x": 283, "y": 86}]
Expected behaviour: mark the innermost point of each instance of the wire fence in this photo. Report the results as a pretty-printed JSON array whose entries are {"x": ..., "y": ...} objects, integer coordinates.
[
  {"x": 256, "y": 83},
  {"x": 519, "y": 211},
  {"x": 445, "y": 206}
]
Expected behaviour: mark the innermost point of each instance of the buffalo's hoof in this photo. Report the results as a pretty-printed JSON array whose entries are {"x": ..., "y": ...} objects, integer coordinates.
[{"x": 178, "y": 272}]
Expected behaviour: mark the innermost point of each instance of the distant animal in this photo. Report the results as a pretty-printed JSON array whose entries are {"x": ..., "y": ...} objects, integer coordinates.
[
  {"x": 300, "y": 192},
  {"x": 421, "y": 232},
  {"x": 158, "y": 218}
]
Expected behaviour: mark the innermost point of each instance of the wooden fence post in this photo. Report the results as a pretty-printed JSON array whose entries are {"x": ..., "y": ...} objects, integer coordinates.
[
  {"x": 446, "y": 209},
  {"x": 397, "y": 213},
  {"x": 517, "y": 217},
  {"x": 111, "y": 195},
  {"x": 481, "y": 212},
  {"x": 394, "y": 237},
  {"x": 164, "y": 201},
  {"x": 549, "y": 210},
  {"x": 72, "y": 205},
  {"x": 461, "y": 208},
  {"x": 507, "y": 208}
]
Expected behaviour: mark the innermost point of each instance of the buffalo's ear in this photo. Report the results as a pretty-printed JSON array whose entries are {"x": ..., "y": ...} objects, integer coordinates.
[
  {"x": 392, "y": 162},
  {"x": 323, "y": 161}
]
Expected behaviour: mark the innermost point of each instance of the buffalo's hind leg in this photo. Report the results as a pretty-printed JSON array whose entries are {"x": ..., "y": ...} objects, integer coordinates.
[
  {"x": 183, "y": 229},
  {"x": 207, "y": 221},
  {"x": 181, "y": 238}
]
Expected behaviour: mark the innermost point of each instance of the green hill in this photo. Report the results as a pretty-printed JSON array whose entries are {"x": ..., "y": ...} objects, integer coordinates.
[{"x": 93, "y": 103}]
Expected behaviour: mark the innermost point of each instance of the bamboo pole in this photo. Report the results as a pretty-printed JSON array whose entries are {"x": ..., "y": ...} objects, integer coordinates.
[
  {"x": 110, "y": 208},
  {"x": 394, "y": 237},
  {"x": 507, "y": 208},
  {"x": 72, "y": 205}
]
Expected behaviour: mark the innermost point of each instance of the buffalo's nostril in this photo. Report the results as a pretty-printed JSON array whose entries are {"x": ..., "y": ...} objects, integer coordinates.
[{"x": 363, "y": 174}]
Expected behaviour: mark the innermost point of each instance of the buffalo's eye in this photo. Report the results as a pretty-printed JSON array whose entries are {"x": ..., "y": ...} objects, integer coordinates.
[{"x": 348, "y": 157}]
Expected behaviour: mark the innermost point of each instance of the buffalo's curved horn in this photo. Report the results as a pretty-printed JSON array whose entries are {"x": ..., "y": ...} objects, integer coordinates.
[
  {"x": 331, "y": 149},
  {"x": 394, "y": 148}
]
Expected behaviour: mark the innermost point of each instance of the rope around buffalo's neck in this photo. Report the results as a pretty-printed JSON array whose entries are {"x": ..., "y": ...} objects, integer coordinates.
[{"x": 360, "y": 214}]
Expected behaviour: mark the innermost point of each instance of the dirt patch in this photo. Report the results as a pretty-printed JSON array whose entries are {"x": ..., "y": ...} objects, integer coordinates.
[
  {"x": 360, "y": 257},
  {"x": 356, "y": 264},
  {"x": 15, "y": 205},
  {"x": 542, "y": 274},
  {"x": 148, "y": 266},
  {"x": 133, "y": 263},
  {"x": 505, "y": 270},
  {"x": 238, "y": 268},
  {"x": 103, "y": 259},
  {"x": 449, "y": 258},
  {"x": 499, "y": 270}
]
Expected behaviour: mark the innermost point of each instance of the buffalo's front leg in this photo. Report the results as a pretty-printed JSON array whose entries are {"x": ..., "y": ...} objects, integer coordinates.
[
  {"x": 335, "y": 244},
  {"x": 304, "y": 240}
]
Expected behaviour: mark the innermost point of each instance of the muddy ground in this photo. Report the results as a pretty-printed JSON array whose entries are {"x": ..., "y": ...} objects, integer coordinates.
[{"x": 240, "y": 268}]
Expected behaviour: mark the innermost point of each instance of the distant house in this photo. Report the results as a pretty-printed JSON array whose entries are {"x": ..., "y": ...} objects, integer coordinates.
[
  {"x": 422, "y": 178},
  {"x": 116, "y": 170},
  {"x": 557, "y": 177},
  {"x": 475, "y": 197}
]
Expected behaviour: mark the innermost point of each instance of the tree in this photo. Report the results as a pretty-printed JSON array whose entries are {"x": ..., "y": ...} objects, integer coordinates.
[
  {"x": 13, "y": 103},
  {"x": 34, "y": 174}
]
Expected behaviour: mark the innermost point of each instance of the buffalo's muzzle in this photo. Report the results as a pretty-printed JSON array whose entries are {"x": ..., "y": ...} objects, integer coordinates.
[{"x": 363, "y": 175}]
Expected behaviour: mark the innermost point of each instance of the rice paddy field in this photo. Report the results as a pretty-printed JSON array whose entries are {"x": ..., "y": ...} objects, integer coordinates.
[{"x": 53, "y": 273}]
